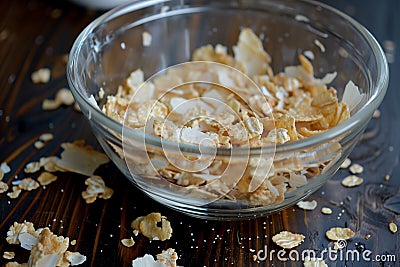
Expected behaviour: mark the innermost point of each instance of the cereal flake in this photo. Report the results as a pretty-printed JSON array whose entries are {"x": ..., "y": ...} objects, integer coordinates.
[
  {"x": 356, "y": 168},
  {"x": 352, "y": 181},
  {"x": 8, "y": 255},
  {"x": 46, "y": 178},
  {"x": 393, "y": 227},
  {"x": 148, "y": 226},
  {"x": 307, "y": 205},
  {"x": 28, "y": 184},
  {"x": 3, "y": 187},
  {"x": 128, "y": 242},
  {"x": 41, "y": 76},
  {"x": 96, "y": 188},
  {"x": 326, "y": 210},
  {"x": 338, "y": 233},
  {"x": 287, "y": 239},
  {"x": 15, "y": 192},
  {"x": 346, "y": 163}
]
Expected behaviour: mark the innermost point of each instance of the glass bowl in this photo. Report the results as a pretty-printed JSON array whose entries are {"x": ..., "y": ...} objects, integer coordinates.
[{"x": 111, "y": 47}]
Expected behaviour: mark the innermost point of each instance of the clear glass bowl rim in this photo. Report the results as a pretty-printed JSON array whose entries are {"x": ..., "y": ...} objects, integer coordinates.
[{"x": 358, "y": 119}]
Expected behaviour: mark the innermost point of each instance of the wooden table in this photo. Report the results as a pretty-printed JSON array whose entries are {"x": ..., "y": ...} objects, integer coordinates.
[{"x": 36, "y": 34}]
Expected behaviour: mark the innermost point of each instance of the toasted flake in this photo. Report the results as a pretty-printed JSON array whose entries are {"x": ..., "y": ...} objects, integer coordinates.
[
  {"x": 5, "y": 168},
  {"x": 168, "y": 257},
  {"x": 346, "y": 163},
  {"x": 38, "y": 144},
  {"x": 74, "y": 258},
  {"x": 314, "y": 262},
  {"x": 41, "y": 76},
  {"x": 15, "y": 192},
  {"x": 96, "y": 188},
  {"x": 287, "y": 239},
  {"x": 17, "y": 229},
  {"x": 65, "y": 97},
  {"x": 48, "y": 248},
  {"x": 356, "y": 168},
  {"x": 1, "y": 174},
  {"x": 28, "y": 184},
  {"x": 46, "y": 137},
  {"x": 148, "y": 226},
  {"x": 8, "y": 255},
  {"x": 326, "y": 210},
  {"x": 16, "y": 264},
  {"x": 73, "y": 242},
  {"x": 307, "y": 205},
  {"x": 352, "y": 180},
  {"x": 338, "y": 233},
  {"x": 146, "y": 39},
  {"x": 46, "y": 178},
  {"x": 3, "y": 187},
  {"x": 50, "y": 104},
  {"x": 393, "y": 227},
  {"x": 128, "y": 242},
  {"x": 32, "y": 167},
  {"x": 81, "y": 159}
]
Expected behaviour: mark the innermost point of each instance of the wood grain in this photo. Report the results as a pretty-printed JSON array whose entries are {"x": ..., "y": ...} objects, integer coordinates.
[{"x": 33, "y": 37}]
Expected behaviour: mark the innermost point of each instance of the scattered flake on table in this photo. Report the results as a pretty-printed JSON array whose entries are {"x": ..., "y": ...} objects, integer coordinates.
[
  {"x": 326, "y": 210},
  {"x": 393, "y": 227},
  {"x": 352, "y": 180},
  {"x": 41, "y": 75},
  {"x": 287, "y": 239},
  {"x": 128, "y": 242},
  {"x": 346, "y": 163},
  {"x": 307, "y": 205},
  {"x": 356, "y": 168},
  {"x": 148, "y": 226},
  {"x": 338, "y": 233}
]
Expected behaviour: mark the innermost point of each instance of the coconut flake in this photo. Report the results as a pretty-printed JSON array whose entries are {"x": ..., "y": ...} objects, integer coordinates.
[{"x": 352, "y": 95}]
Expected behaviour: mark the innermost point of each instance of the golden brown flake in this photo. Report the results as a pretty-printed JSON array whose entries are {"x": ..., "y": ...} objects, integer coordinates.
[
  {"x": 146, "y": 39},
  {"x": 8, "y": 255},
  {"x": 307, "y": 205},
  {"x": 96, "y": 188},
  {"x": 128, "y": 242},
  {"x": 393, "y": 227},
  {"x": 32, "y": 167},
  {"x": 46, "y": 178},
  {"x": 287, "y": 239},
  {"x": 3, "y": 187},
  {"x": 326, "y": 210},
  {"x": 356, "y": 168},
  {"x": 41, "y": 76},
  {"x": 148, "y": 226},
  {"x": 38, "y": 145},
  {"x": 352, "y": 181},
  {"x": 28, "y": 184},
  {"x": 73, "y": 242},
  {"x": 15, "y": 192},
  {"x": 74, "y": 258},
  {"x": 16, "y": 264},
  {"x": 338, "y": 233},
  {"x": 17, "y": 229},
  {"x": 46, "y": 137},
  {"x": 168, "y": 257},
  {"x": 346, "y": 163}
]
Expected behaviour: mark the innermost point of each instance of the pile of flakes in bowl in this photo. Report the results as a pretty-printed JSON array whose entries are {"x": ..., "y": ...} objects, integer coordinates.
[{"x": 267, "y": 109}]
